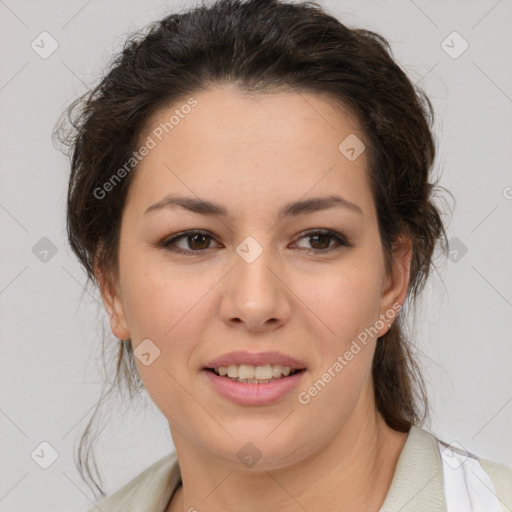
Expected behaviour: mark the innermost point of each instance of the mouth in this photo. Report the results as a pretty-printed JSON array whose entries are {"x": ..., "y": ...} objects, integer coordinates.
[
  {"x": 249, "y": 374},
  {"x": 248, "y": 385}
]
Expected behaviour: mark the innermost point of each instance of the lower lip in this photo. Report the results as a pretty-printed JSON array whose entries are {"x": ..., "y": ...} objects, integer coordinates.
[{"x": 254, "y": 394}]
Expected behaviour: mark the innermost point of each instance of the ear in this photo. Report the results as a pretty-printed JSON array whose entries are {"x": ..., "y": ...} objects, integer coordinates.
[
  {"x": 113, "y": 303},
  {"x": 396, "y": 283}
]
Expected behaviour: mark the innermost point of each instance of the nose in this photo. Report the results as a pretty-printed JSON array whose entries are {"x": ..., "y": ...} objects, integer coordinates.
[{"x": 255, "y": 297}]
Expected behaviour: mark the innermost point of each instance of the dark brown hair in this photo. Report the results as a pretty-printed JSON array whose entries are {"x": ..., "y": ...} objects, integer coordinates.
[{"x": 262, "y": 46}]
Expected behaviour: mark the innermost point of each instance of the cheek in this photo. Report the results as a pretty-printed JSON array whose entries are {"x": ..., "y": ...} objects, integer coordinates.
[
  {"x": 343, "y": 298},
  {"x": 171, "y": 307},
  {"x": 347, "y": 304},
  {"x": 165, "y": 308},
  {"x": 156, "y": 294}
]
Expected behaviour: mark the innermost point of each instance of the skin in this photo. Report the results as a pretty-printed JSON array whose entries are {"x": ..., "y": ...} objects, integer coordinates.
[{"x": 252, "y": 155}]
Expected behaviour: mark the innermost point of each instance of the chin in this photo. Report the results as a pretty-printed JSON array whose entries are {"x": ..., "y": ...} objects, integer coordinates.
[{"x": 262, "y": 448}]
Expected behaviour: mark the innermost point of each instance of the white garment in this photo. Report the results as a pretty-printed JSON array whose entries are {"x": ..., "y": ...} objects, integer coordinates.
[{"x": 467, "y": 487}]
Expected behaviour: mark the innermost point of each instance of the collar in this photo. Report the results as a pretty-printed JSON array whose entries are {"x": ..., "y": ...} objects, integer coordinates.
[{"x": 417, "y": 484}]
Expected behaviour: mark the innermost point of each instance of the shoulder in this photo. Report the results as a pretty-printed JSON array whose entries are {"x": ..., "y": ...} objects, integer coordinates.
[
  {"x": 434, "y": 476},
  {"x": 484, "y": 482},
  {"x": 501, "y": 477},
  {"x": 151, "y": 490}
]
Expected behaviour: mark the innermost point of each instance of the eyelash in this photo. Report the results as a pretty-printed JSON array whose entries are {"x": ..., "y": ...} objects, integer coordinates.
[{"x": 342, "y": 241}]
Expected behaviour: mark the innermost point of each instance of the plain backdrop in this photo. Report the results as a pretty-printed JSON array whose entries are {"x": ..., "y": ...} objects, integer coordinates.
[{"x": 50, "y": 329}]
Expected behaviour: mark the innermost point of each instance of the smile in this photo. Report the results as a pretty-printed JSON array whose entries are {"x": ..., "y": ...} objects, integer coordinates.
[
  {"x": 254, "y": 374},
  {"x": 253, "y": 392}
]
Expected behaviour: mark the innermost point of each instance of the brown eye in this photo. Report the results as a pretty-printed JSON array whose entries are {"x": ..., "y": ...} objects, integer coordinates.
[
  {"x": 194, "y": 242},
  {"x": 324, "y": 241},
  {"x": 198, "y": 241},
  {"x": 320, "y": 240}
]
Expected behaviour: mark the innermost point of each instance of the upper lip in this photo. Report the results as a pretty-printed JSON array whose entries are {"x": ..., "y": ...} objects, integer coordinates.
[{"x": 255, "y": 359}]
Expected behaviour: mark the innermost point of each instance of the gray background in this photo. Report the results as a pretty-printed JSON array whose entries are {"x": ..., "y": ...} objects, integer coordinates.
[{"x": 50, "y": 366}]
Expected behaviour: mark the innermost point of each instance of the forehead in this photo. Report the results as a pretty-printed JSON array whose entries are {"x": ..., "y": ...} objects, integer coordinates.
[
  {"x": 228, "y": 114},
  {"x": 251, "y": 149}
]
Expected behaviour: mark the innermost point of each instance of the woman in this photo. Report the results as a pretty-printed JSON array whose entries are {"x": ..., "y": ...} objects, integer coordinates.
[{"x": 208, "y": 166}]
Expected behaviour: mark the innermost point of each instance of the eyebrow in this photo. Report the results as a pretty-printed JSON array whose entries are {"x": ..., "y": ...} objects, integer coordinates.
[{"x": 204, "y": 207}]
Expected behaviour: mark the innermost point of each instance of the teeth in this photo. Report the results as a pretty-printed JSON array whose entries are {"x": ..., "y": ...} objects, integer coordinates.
[
  {"x": 262, "y": 372},
  {"x": 277, "y": 370},
  {"x": 249, "y": 373},
  {"x": 246, "y": 372},
  {"x": 232, "y": 371}
]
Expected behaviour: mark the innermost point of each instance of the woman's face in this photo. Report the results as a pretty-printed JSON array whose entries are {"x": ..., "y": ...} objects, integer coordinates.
[{"x": 253, "y": 280}]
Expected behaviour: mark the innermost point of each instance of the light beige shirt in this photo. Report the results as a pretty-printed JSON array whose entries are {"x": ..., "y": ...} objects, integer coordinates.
[{"x": 417, "y": 485}]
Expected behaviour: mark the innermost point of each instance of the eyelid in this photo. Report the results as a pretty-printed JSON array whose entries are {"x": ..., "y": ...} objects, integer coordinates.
[
  {"x": 338, "y": 237},
  {"x": 335, "y": 235},
  {"x": 167, "y": 241}
]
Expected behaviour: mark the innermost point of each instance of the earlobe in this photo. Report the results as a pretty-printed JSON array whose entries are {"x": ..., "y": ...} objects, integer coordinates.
[{"x": 113, "y": 305}]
